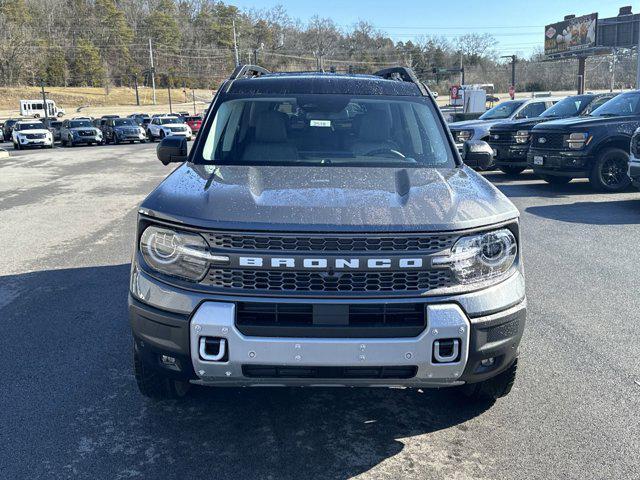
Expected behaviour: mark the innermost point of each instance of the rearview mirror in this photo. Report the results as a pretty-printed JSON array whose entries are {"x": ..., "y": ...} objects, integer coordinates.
[
  {"x": 172, "y": 149},
  {"x": 477, "y": 154}
]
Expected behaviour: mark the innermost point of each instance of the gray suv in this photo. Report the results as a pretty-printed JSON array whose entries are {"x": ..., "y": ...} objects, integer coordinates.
[
  {"x": 79, "y": 131},
  {"x": 323, "y": 230}
]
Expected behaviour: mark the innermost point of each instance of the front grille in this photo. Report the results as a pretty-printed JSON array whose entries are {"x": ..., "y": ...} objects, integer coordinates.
[
  {"x": 352, "y": 243},
  {"x": 302, "y": 281},
  {"x": 278, "y": 371},
  {"x": 327, "y": 320},
  {"x": 34, "y": 136},
  {"x": 178, "y": 129},
  {"x": 86, "y": 133},
  {"x": 502, "y": 138},
  {"x": 547, "y": 141}
]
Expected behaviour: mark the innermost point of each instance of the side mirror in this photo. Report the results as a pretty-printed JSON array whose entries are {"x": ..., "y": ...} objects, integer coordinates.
[
  {"x": 172, "y": 149},
  {"x": 477, "y": 154}
]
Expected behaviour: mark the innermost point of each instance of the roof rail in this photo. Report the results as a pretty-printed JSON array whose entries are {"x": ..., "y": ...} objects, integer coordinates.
[
  {"x": 403, "y": 74},
  {"x": 248, "y": 71}
]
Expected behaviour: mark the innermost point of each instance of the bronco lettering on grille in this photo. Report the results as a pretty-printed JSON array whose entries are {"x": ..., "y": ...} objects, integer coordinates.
[{"x": 331, "y": 263}]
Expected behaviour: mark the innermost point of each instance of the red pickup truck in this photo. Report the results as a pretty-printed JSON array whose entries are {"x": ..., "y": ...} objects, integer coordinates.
[{"x": 194, "y": 123}]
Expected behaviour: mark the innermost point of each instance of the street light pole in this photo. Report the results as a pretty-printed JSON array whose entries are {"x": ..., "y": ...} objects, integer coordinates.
[{"x": 44, "y": 100}]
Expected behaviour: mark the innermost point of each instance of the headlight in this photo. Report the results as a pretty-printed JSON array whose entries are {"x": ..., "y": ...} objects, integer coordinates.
[
  {"x": 179, "y": 254},
  {"x": 481, "y": 257},
  {"x": 521, "y": 136},
  {"x": 464, "y": 135},
  {"x": 576, "y": 141}
]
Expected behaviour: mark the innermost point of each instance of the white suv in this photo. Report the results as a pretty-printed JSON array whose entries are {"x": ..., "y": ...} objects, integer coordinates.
[
  {"x": 31, "y": 134},
  {"x": 161, "y": 127}
]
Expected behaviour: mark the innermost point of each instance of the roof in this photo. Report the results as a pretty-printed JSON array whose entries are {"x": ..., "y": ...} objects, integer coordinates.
[{"x": 322, "y": 83}]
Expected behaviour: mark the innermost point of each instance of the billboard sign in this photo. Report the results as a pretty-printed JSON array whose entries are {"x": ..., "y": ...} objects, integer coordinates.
[{"x": 571, "y": 36}]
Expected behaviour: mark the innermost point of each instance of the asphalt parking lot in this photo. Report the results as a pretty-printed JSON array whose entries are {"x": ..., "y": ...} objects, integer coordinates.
[{"x": 70, "y": 407}]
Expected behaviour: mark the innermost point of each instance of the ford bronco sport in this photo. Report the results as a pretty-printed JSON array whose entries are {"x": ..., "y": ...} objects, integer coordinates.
[{"x": 323, "y": 230}]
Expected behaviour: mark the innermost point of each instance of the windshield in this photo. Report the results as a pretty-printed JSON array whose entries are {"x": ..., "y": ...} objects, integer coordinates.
[
  {"x": 30, "y": 126},
  {"x": 328, "y": 130},
  {"x": 568, "y": 107},
  {"x": 124, "y": 122},
  {"x": 503, "y": 110},
  {"x": 194, "y": 119},
  {"x": 80, "y": 124},
  {"x": 624, "y": 104},
  {"x": 164, "y": 121}
]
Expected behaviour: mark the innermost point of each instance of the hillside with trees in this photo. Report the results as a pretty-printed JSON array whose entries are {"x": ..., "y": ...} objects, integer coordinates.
[{"x": 105, "y": 43}]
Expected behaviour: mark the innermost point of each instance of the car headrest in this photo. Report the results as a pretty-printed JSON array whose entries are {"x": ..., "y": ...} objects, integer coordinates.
[
  {"x": 375, "y": 126},
  {"x": 271, "y": 127}
]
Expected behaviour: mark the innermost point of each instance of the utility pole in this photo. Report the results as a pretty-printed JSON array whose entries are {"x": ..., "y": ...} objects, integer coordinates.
[
  {"x": 514, "y": 60},
  {"x": 235, "y": 44},
  {"x": 135, "y": 84},
  {"x": 193, "y": 97},
  {"x": 44, "y": 100},
  {"x": 614, "y": 55},
  {"x": 153, "y": 72},
  {"x": 169, "y": 90},
  {"x": 638, "y": 62},
  {"x": 461, "y": 70}
]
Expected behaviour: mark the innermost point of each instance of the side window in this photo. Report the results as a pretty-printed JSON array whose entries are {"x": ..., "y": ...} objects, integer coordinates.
[
  {"x": 532, "y": 110},
  {"x": 596, "y": 103}
]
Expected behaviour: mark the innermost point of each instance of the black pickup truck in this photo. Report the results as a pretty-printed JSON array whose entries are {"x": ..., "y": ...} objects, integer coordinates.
[
  {"x": 595, "y": 146},
  {"x": 510, "y": 140}
]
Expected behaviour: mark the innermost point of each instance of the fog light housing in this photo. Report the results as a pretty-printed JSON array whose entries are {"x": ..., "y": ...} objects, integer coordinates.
[{"x": 488, "y": 362}]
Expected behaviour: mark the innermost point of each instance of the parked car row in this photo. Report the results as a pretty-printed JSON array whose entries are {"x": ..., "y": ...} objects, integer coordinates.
[
  {"x": 582, "y": 136},
  {"x": 138, "y": 127}
]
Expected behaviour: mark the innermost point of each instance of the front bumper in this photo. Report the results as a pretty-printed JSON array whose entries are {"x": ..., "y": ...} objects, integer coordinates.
[
  {"x": 36, "y": 142},
  {"x": 80, "y": 139},
  {"x": 560, "y": 163},
  {"x": 487, "y": 324},
  {"x": 634, "y": 171},
  {"x": 131, "y": 137},
  {"x": 510, "y": 155}
]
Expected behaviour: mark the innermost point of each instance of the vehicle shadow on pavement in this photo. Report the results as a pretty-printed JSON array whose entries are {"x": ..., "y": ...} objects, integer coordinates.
[
  {"x": 615, "y": 212},
  {"x": 542, "y": 189},
  {"x": 76, "y": 411}
]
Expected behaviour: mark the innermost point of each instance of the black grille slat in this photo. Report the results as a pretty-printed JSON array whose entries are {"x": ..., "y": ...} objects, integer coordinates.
[
  {"x": 284, "y": 319},
  {"x": 552, "y": 141},
  {"x": 347, "y": 243},
  {"x": 302, "y": 281}
]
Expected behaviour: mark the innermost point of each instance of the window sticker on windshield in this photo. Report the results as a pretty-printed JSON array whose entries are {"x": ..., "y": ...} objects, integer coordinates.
[{"x": 320, "y": 123}]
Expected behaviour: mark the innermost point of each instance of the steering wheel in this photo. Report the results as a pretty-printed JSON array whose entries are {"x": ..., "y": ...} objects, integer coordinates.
[{"x": 380, "y": 151}]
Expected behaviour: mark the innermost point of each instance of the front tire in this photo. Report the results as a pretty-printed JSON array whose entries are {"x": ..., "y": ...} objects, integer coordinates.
[
  {"x": 609, "y": 172},
  {"x": 508, "y": 170},
  {"x": 151, "y": 137},
  {"x": 153, "y": 384},
  {"x": 493, "y": 388}
]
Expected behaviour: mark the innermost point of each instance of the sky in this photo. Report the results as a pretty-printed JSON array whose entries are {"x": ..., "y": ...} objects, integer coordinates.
[{"x": 517, "y": 25}]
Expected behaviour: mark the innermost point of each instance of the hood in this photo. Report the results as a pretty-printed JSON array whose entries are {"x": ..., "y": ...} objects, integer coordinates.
[
  {"x": 34, "y": 131},
  {"x": 520, "y": 124},
  {"x": 329, "y": 199},
  {"x": 77, "y": 129},
  {"x": 571, "y": 124},
  {"x": 471, "y": 123}
]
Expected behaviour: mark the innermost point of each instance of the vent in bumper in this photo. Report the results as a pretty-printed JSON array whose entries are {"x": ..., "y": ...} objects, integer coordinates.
[
  {"x": 273, "y": 371},
  {"x": 330, "y": 320}
]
